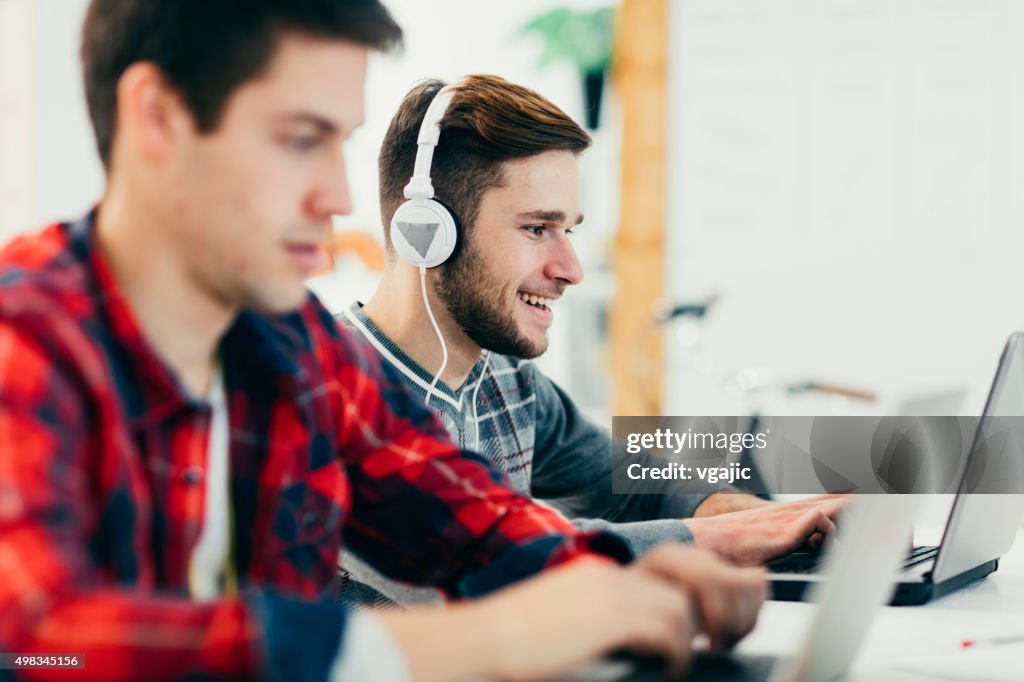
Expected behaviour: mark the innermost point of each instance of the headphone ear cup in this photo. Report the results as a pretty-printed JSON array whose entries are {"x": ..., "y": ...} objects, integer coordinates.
[
  {"x": 424, "y": 232},
  {"x": 457, "y": 222}
]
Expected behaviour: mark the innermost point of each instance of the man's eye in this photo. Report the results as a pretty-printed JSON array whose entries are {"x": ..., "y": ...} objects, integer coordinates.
[
  {"x": 302, "y": 143},
  {"x": 535, "y": 230}
]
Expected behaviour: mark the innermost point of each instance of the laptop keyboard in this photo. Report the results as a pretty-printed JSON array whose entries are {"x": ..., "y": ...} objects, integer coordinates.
[
  {"x": 919, "y": 555},
  {"x": 703, "y": 668},
  {"x": 808, "y": 562},
  {"x": 735, "y": 668}
]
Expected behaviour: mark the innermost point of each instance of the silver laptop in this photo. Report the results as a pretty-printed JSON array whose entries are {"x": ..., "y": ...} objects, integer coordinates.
[{"x": 980, "y": 528}]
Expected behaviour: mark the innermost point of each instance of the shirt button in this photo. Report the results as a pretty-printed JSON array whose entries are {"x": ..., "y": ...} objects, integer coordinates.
[
  {"x": 308, "y": 518},
  {"x": 192, "y": 475}
]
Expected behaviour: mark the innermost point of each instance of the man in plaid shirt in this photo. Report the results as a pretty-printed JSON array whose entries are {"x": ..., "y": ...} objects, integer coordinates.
[{"x": 186, "y": 437}]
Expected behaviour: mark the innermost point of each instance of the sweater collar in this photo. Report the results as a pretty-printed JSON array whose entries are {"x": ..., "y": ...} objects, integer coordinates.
[{"x": 357, "y": 318}]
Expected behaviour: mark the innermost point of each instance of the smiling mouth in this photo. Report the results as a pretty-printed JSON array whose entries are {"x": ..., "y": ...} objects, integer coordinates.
[{"x": 536, "y": 301}]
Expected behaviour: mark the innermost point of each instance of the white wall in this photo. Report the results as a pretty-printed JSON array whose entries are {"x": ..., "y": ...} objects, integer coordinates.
[
  {"x": 16, "y": 117},
  {"x": 48, "y": 157},
  {"x": 68, "y": 174},
  {"x": 847, "y": 176}
]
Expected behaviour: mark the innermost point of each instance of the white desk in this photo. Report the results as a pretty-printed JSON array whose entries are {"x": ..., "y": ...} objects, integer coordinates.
[{"x": 989, "y": 608}]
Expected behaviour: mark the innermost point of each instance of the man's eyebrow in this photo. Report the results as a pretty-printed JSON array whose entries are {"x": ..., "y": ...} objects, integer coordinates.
[
  {"x": 548, "y": 216},
  {"x": 323, "y": 124}
]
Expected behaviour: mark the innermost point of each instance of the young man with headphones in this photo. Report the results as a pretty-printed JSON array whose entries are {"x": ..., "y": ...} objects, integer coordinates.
[{"x": 479, "y": 196}]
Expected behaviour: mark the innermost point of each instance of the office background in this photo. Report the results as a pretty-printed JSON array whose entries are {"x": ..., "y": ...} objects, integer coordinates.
[{"x": 843, "y": 185}]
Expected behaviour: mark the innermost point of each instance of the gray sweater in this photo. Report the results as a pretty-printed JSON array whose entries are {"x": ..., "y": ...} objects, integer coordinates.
[{"x": 516, "y": 417}]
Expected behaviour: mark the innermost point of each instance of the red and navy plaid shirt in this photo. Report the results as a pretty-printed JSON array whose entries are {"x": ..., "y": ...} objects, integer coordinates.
[{"x": 102, "y": 466}]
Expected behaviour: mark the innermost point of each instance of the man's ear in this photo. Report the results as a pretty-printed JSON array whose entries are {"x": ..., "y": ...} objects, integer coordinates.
[{"x": 151, "y": 116}]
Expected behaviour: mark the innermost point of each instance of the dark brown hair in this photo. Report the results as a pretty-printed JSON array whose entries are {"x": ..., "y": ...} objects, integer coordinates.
[
  {"x": 490, "y": 121},
  {"x": 207, "y": 48}
]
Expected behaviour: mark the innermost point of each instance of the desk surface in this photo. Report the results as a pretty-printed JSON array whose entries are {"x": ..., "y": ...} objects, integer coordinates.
[{"x": 992, "y": 607}]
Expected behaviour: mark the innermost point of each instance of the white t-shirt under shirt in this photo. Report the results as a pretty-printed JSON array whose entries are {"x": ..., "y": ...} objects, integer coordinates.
[{"x": 368, "y": 651}]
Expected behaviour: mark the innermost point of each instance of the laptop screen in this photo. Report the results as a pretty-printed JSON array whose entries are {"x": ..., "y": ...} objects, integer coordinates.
[
  {"x": 996, "y": 461},
  {"x": 1007, "y": 396}
]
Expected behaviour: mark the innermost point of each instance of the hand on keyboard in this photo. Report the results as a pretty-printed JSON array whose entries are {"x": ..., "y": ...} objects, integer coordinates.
[
  {"x": 727, "y": 598},
  {"x": 753, "y": 536}
]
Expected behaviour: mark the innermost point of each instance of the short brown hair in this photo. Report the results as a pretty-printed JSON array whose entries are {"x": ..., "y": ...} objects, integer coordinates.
[
  {"x": 207, "y": 49},
  {"x": 490, "y": 121}
]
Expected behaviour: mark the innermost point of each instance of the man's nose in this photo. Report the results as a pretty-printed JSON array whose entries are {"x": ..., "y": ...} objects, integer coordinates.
[
  {"x": 564, "y": 265},
  {"x": 331, "y": 194}
]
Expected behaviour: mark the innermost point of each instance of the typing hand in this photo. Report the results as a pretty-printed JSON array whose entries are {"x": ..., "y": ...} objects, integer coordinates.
[
  {"x": 754, "y": 536},
  {"x": 727, "y": 599}
]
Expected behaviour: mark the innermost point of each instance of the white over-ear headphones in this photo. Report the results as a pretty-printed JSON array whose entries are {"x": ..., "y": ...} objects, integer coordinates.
[{"x": 423, "y": 231}]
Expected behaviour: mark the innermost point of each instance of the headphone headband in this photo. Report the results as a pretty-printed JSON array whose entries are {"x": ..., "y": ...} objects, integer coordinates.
[{"x": 419, "y": 186}]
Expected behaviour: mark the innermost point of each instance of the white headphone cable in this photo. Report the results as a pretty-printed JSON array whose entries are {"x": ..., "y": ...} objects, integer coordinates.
[
  {"x": 476, "y": 392},
  {"x": 437, "y": 330}
]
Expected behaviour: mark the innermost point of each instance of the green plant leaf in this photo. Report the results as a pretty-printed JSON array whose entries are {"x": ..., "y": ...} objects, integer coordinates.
[{"x": 583, "y": 38}]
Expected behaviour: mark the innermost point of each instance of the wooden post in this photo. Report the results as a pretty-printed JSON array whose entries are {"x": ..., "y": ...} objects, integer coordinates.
[{"x": 641, "y": 61}]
